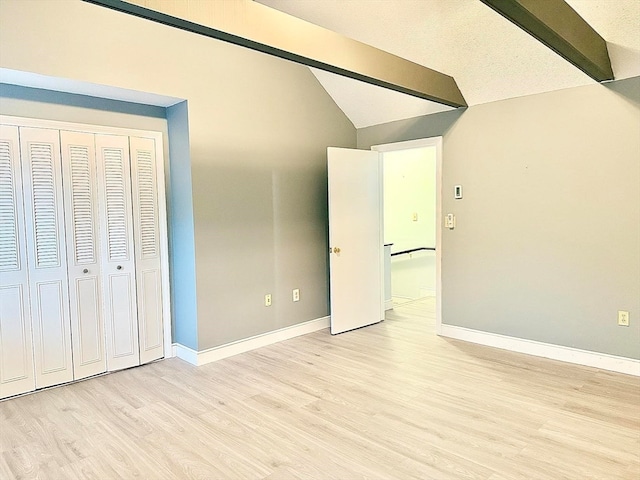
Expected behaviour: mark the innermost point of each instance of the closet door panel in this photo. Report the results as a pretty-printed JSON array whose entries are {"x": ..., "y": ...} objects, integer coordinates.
[
  {"x": 87, "y": 329},
  {"x": 16, "y": 365},
  {"x": 45, "y": 239},
  {"x": 16, "y": 348},
  {"x": 122, "y": 299},
  {"x": 118, "y": 260},
  {"x": 150, "y": 315},
  {"x": 87, "y": 326},
  {"x": 52, "y": 324},
  {"x": 147, "y": 248}
]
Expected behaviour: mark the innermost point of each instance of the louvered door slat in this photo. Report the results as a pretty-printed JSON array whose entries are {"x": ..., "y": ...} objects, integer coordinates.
[
  {"x": 9, "y": 253},
  {"x": 16, "y": 348},
  {"x": 115, "y": 174},
  {"x": 148, "y": 212},
  {"x": 85, "y": 285},
  {"x": 79, "y": 163},
  {"x": 45, "y": 240},
  {"x": 43, "y": 180}
]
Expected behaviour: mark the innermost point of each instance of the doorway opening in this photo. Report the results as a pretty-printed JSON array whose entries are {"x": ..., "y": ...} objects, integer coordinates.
[{"x": 412, "y": 219}]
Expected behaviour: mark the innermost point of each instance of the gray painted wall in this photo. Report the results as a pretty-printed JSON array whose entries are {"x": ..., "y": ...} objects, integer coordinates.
[
  {"x": 547, "y": 243},
  {"x": 258, "y": 131},
  {"x": 434, "y": 125},
  {"x": 548, "y": 240}
]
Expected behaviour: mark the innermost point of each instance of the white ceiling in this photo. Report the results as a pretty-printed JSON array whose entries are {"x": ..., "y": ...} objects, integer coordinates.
[
  {"x": 490, "y": 58},
  {"x": 367, "y": 104}
]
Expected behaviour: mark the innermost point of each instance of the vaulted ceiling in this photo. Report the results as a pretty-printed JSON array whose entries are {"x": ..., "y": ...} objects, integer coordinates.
[{"x": 490, "y": 58}]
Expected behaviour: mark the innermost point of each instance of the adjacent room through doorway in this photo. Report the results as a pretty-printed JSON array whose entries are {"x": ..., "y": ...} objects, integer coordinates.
[{"x": 410, "y": 221}]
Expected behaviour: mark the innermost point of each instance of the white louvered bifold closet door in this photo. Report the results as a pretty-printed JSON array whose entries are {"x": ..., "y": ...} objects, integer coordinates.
[
  {"x": 147, "y": 247},
  {"x": 83, "y": 253},
  {"x": 44, "y": 214},
  {"x": 16, "y": 349},
  {"x": 117, "y": 251}
]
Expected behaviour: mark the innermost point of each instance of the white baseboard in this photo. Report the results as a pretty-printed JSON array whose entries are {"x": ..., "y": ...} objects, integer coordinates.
[
  {"x": 241, "y": 346},
  {"x": 388, "y": 305},
  {"x": 603, "y": 361},
  {"x": 185, "y": 353},
  {"x": 427, "y": 292}
]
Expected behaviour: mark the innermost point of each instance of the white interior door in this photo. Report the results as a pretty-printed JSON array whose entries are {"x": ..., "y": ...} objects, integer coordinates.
[
  {"x": 16, "y": 348},
  {"x": 118, "y": 259},
  {"x": 83, "y": 254},
  {"x": 45, "y": 233},
  {"x": 147, "y": 247},
  {"x": 355, "y": 238}
]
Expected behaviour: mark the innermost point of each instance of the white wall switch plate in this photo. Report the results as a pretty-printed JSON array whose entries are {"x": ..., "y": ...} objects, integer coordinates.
[
  {"x": 450, "y": 221},
  {"x": 267, "y": 300},
  {"x": 457, "y": 192},
  {"x": 296, "y": 294}
]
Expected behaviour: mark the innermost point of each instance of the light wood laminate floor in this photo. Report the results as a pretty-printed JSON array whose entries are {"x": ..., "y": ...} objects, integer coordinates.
[{"x": 390, "y": 401}]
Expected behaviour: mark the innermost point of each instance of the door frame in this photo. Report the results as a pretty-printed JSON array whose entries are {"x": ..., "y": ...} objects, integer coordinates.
[
  {"x": 162, "y": 204},
  {"x": 419, "y": 143}
]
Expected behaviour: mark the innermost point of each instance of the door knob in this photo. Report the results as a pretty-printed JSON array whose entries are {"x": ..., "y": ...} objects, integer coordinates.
[
  {"x": 86, "y": 270},
  {"x": 119, "y": 267},
  {"x": 336, "y": 249}
]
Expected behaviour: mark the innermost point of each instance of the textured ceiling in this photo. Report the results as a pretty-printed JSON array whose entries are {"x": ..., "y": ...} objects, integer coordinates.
[
  {"x": 367, "y": 104},
  {"x": 490, "y": 58}
]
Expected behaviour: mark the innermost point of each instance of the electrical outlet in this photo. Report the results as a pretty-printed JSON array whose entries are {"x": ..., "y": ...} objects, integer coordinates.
[
  {"x": 267, "y": 300},
  {"x": 450, "y": 221},
  {"x": 296, "y": 294},
  {"x": 623, "y": 318}
]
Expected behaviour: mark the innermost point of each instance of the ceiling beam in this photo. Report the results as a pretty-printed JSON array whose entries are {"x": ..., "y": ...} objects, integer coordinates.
[
  {"x": 559, "y": 27},
  {"x": 255, "y": 26}
]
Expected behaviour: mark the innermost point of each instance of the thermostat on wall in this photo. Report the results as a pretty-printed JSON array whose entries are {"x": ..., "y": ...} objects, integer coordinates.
[{"x": 457, "y": 192}]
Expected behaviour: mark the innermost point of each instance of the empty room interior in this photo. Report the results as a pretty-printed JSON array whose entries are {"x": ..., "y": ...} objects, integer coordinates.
[{"x": 320, "y": 239}]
